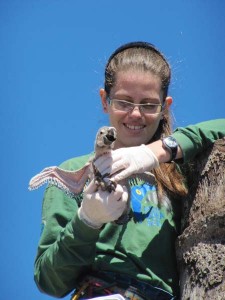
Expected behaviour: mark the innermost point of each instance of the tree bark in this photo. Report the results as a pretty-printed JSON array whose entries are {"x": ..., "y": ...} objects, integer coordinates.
[{"x": 201, "y": 246}]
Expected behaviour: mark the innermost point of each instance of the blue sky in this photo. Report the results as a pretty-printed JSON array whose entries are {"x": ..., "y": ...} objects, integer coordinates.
[{"x": 52, "y": 58}]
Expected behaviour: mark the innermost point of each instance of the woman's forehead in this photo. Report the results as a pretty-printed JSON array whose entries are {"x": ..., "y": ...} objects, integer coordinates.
[{"x": 137, "y": 79}]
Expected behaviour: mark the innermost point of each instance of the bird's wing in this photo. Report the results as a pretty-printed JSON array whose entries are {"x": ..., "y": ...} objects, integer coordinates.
[{"x": 71, "y": 182}]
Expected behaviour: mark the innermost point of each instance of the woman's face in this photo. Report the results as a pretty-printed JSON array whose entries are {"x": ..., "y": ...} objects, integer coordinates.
[{"x": 134, "y": 128}]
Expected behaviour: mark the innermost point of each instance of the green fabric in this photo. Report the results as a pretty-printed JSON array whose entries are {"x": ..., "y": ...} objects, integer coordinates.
[
  {"x": 194, "y": 139},
  {"x": 143, "y": 248}
]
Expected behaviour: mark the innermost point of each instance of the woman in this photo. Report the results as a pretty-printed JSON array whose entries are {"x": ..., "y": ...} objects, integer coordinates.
[{"x": 81, "y": 247}]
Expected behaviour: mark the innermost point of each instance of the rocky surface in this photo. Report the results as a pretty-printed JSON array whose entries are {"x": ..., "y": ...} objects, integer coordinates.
[{"x": 201, "y": 246}]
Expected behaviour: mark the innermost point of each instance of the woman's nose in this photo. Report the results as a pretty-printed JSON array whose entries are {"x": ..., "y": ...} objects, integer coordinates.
[{"x": 136, "y": 112}]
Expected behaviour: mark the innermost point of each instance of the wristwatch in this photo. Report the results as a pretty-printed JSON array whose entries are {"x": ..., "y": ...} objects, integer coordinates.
[{"x": 170, "y": 144}]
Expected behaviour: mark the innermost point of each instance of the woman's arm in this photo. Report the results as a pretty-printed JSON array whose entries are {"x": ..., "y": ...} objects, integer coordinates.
[
  {"x": 66, "y": 247},
  {"x": 192, "y": 140}
]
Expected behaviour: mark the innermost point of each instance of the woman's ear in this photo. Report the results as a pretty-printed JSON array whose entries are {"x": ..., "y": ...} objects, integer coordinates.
[
  {"x": 168, "y": 101},
  {"x": 103, "y": 96}
]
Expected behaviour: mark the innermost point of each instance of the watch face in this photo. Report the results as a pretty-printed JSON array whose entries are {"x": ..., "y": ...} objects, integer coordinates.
[
  {"x": 171, "y": 145},
  {"x": 171, "y": 142}
]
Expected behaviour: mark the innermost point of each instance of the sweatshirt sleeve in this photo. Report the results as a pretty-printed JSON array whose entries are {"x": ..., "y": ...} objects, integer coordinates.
[
  {"x": 67, "y": 246},
  {"x": 194, "y": 139}
]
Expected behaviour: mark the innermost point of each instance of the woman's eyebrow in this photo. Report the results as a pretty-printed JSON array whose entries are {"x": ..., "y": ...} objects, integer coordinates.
[{"x": 129, "y": 98}]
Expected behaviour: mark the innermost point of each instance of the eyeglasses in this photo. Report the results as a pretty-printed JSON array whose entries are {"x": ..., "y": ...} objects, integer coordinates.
[{"x": 126, "y": 106}]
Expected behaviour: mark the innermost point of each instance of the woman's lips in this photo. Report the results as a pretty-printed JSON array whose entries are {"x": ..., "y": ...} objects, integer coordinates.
[{"x": 134, "y": 127}]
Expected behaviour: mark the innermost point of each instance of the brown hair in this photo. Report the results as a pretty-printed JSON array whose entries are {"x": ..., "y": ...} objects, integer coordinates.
[{"x": 145, "y": 57}]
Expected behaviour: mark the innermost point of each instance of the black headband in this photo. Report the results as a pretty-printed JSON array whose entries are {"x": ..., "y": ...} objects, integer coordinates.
[{"x": 139, "y": 44}]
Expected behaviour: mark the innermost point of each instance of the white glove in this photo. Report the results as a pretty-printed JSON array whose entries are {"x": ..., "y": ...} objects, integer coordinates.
[
  {"x": 128, "y": 161},
  {"x": 99, "y": 207}
]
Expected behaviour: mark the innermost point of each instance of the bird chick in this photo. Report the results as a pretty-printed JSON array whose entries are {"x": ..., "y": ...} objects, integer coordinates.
[{"x": 104, "y": 142}]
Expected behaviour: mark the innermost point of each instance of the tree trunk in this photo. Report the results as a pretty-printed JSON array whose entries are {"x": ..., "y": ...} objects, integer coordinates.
[{"x": 201, "y": 246}]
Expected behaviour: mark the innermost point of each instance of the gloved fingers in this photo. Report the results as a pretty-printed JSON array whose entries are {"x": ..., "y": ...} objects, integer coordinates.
[
  {"x": 111, "y": 164},
  {"x": 117, "y": 167},
  {"x": 103, "y": 163},
  {"x": 118, "y": 192},
  {"x": 125, "y": 191},
  {"x": 122, "y": 203},
  {"x": 121, "y": 190},
  {"x": 125, "y": 195},
  {"x": 137, "y": 159},
  {"x": 106, "y": 197},
  {"x": 121, "y": 175},
  {"x": 120, "y": 196},
  {"x": 102, "y": 207},
  {"x": 91, "y": 188}
]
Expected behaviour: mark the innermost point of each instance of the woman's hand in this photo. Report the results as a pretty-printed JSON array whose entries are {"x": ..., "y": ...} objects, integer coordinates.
[
  {"x": 100, "y": 207},
  {"x": 123, "y": 162}
]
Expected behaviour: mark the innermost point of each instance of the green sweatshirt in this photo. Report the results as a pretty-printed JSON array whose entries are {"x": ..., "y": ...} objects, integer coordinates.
[{"x": 143, "y": 248}]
